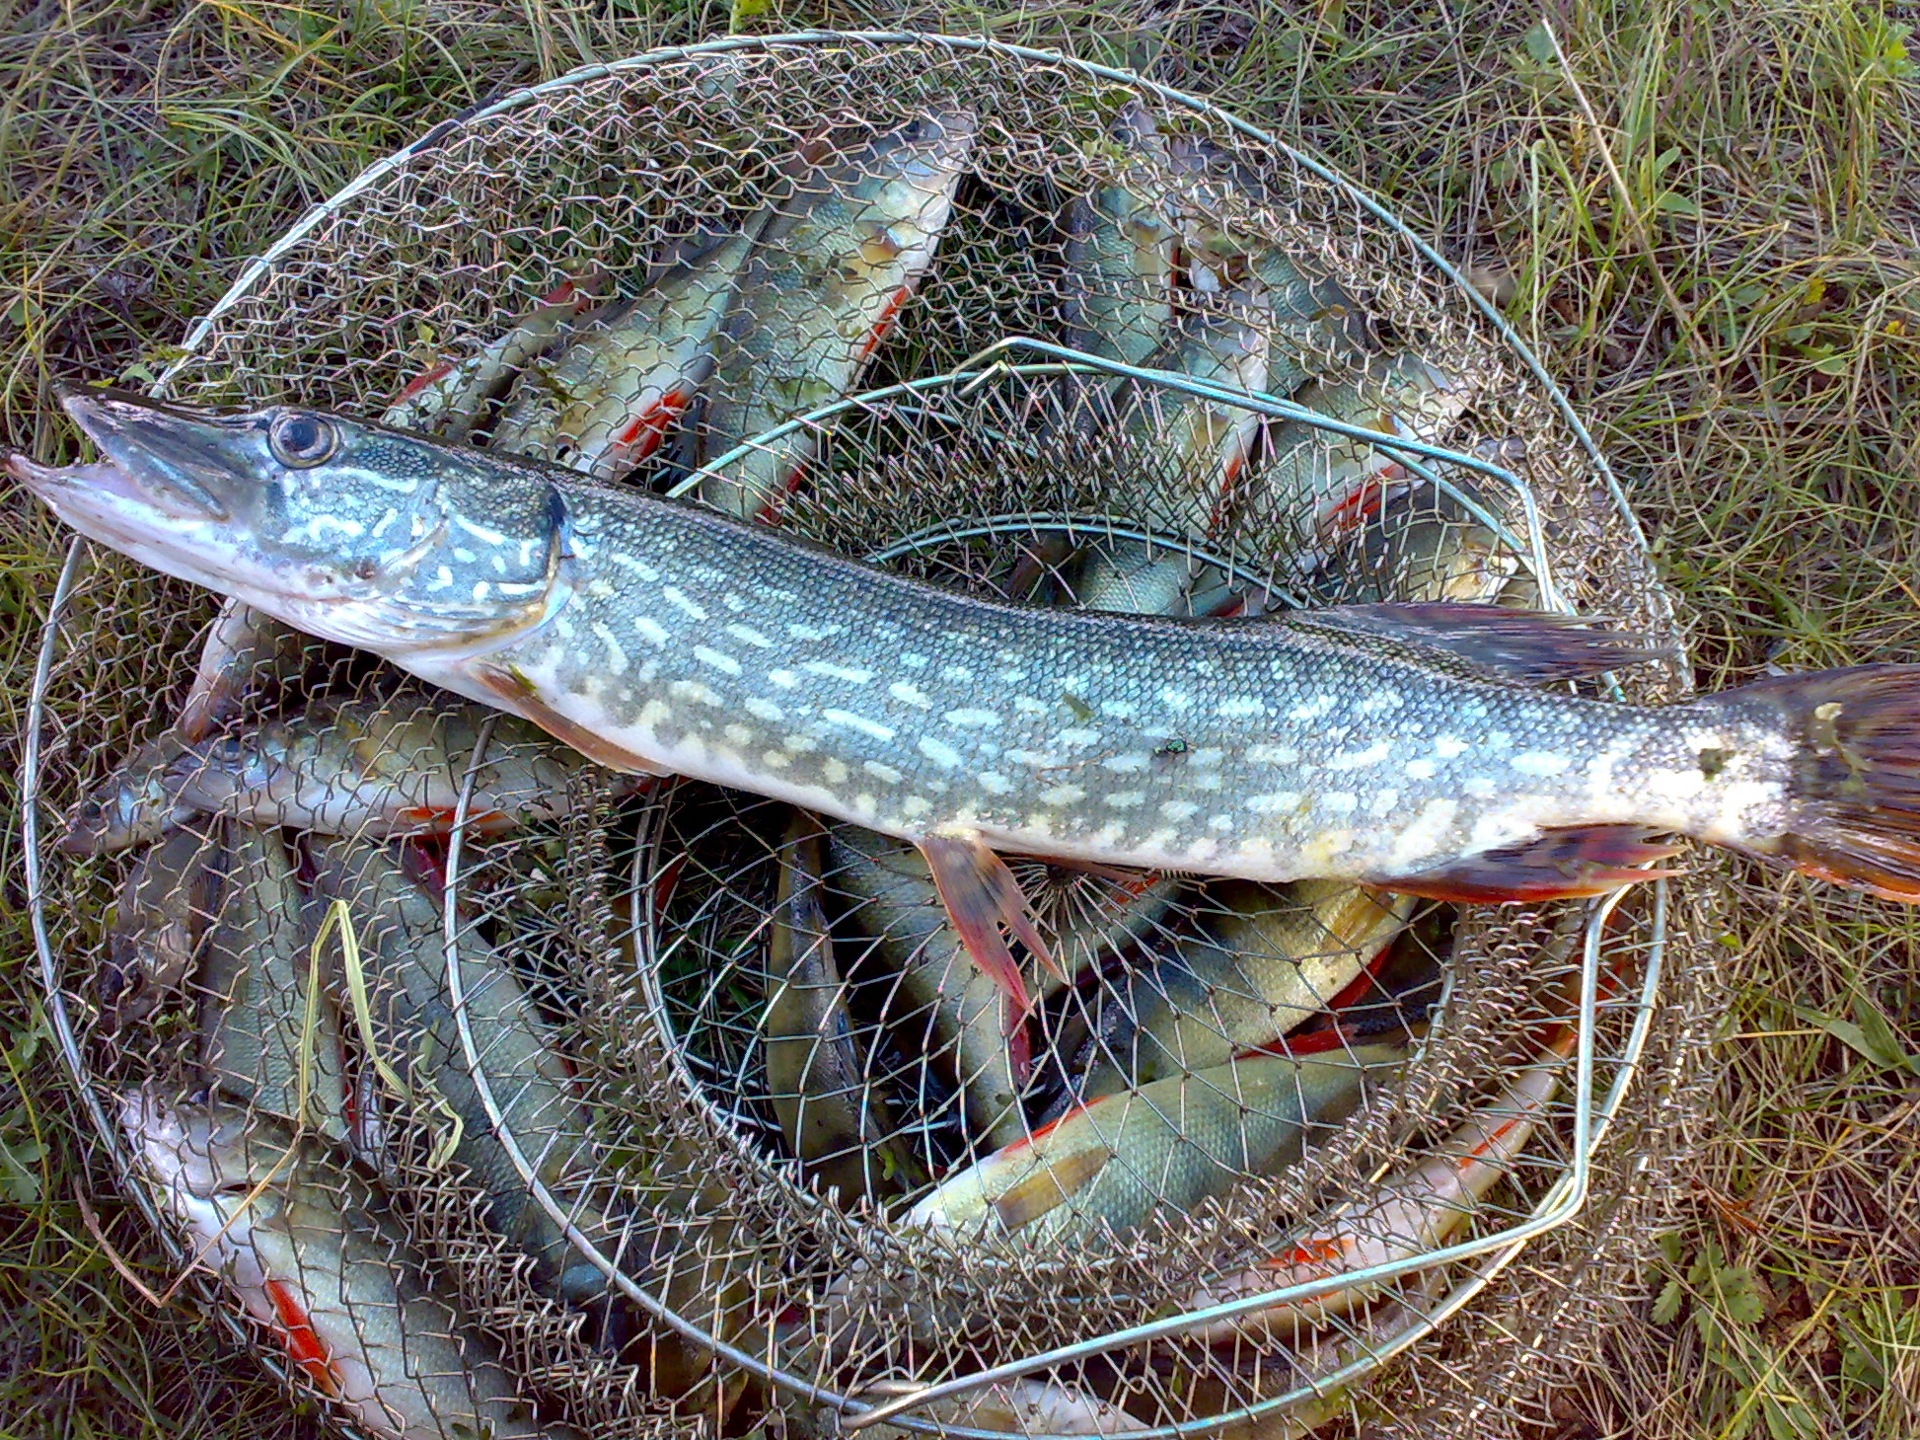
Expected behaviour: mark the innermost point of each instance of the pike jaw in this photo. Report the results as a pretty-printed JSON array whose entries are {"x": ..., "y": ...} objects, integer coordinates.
[{"x": 343, "y": 529}]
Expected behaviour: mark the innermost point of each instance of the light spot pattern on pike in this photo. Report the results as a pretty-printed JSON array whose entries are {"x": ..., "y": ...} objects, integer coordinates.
[{"x": 1409, "y": 746}]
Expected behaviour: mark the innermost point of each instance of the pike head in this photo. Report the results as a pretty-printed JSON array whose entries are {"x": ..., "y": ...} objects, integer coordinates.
[{"x": 373, "y": 537}]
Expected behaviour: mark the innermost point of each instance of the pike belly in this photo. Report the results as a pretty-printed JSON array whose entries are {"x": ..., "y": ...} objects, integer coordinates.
[{"x": 696, "y": 645}]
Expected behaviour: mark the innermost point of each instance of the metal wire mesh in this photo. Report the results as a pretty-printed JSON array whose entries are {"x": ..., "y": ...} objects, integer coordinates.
[{"x": 645, "y": 1095}]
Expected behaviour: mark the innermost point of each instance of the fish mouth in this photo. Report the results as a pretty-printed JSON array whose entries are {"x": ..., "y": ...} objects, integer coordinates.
[{"x": 178, "y": 463}]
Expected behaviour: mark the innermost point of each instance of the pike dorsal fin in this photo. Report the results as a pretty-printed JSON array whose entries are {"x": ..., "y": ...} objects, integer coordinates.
[{"x": 1485, "y": 642}]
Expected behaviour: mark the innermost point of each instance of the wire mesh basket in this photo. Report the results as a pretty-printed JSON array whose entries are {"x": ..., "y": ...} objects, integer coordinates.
[{"x": 660, "y": 1101}]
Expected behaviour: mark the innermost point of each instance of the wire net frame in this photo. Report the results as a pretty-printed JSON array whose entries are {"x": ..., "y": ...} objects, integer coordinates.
[{"x": 834, "y": 514}]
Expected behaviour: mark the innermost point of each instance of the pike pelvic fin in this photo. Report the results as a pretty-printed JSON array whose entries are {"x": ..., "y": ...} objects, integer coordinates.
[
  {"x": 1854, "y": 795},
  {"x": 981, "y": 894},
  {"x": 1560, "y": 864},
  {"x": 1489, "y": 642}
]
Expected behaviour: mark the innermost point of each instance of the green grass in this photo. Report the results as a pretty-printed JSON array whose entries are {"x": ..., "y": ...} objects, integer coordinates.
[{"x": 1706, "y": 210}]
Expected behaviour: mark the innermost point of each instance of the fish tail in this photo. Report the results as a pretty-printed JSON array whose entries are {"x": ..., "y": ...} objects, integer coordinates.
[{"x": 1854, "y": 790}]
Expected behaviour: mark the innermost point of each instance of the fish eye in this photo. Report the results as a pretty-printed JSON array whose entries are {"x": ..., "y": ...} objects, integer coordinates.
[{"x": 301, "y": 440}]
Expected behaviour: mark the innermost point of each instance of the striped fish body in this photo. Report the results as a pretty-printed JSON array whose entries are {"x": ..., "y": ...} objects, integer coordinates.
[{"x": 309, "y": 1249}]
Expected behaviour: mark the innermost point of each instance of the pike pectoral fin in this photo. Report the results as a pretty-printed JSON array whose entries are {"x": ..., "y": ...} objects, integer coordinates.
[
  {"x": 1560, "y": 864},
  {"x": 981, "y": 894},
  {"x": 1049, "y": 1187},
  {"x": 1529, "y": 647},
  {"x": 520, "y": 698}
]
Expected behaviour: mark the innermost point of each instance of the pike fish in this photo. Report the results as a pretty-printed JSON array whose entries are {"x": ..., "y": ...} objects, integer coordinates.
[
  {"x": 341, "y": 767},
  {"x": 265, "y": 1029},
  {"x": 1114, "y": 1163},
  {"x": 1409, "y": 747},
  {"x": 824, "y": 1090},
  {"x": 310, "y": 1250},
  {"x": 631, "y": 370},
  {"x": 1269, "y": 959},
  {"x": 823, "y": 287},
  {"x": 160, "y": 920}
]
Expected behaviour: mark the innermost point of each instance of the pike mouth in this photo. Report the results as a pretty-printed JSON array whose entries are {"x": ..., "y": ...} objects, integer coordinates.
[{"x": 174, "y": 463}]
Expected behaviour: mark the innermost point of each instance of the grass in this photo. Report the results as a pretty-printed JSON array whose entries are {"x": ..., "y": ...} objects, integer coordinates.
[{"x": 1704, "y": 212}]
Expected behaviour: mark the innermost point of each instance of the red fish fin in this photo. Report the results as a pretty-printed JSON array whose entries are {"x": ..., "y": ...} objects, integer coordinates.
[
  {"x": 1350, "y": 993},
  {"x": 523, "y": 700},
  {"x": 981, "y": 894},
  {"x": 1528, "y": 647},
  {"x": 642, "y": 434},
  {"x": 304, "y": 1347},
  {"x": 1854, "y": 794},
  {"x": 421, "y": 381},
  {"x": 889, "y": 312},
  {"x": 1561, "y": 864},
  {"x": 1049, "y": 1187}
]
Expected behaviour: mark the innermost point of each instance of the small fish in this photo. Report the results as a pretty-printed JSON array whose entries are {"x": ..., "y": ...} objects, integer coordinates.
[
  {"x": 821, "y": 291},
  {"x": 1419, "y": 547},
  {"x": 1120, "y": 250},
  {"x": 310, "y": 1250},
  {"x": 1410, "y": 1215},
  {"x": 630, "y": 372},
  {"x": 1407, "y": 747},
  {"x": 828, "y": 1099},
  {"x": 1333, "y": 484},
  {"x": 1115, "y": 1163},
  {"x": 450, "y": 399},
  {"x": 972, "y": 1024},
  {"x": 402, "y": 948},
  {"x": 160, "y": 920},
  {"x": 245, "y": 651},
  {"x": 342, "y": 767},
  {"x": 259, "y": 1037},
  {"x": 1268, "y": 959}
]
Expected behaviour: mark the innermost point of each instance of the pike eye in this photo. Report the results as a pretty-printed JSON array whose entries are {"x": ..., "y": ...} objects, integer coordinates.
[{"x": 301, "y": 440}]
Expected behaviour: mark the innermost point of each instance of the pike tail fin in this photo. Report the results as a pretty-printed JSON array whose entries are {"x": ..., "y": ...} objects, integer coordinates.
[{"x": 1854, "y": 797}]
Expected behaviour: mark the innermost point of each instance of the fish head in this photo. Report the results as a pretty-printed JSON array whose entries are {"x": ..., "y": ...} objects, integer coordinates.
[
  {"x": 880, "y": 207},
  {"x": 348, "y": 530}
]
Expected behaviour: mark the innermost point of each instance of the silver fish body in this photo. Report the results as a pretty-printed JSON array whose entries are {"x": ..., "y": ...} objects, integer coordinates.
[
  {"x": 160, "y": 919},
  {"x": 1397, "y": 746},
  {"x": 629, "y": 372},
  {"x": 311, "y": 1252},
  {"x": 1120, "y": 250},
  {"x": 1268, "y": 960},
  {"x": 269, "y": 1039},
  {"x": 378, "y": 768},
  {"x": 825, "y": 1092}
]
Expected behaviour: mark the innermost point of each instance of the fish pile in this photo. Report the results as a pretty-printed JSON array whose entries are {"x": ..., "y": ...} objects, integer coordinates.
[{"x": 1090, "y": 901}]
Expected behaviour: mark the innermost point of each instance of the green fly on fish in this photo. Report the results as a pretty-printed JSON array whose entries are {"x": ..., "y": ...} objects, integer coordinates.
[
  {"x": 1268, "y": 960},
  {"x": 310, "y": 1250},
  {"x": 823, "y": 288},
  {"x": 829, "y": 1101},
  {"x": 341, "y": 767},
  {"x": 1113, "y": 1164},
  {"x": 1409, "y": 747},
  {"x": 630, "y": 372},
  {"x": 160, "y": 920},
  {"x": 267, "y": 1039}
]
